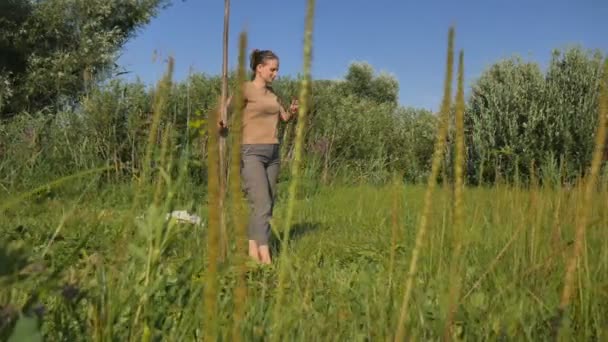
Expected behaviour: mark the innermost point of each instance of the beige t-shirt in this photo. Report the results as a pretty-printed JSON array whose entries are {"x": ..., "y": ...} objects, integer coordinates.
[{"x": 261, "y": 115}]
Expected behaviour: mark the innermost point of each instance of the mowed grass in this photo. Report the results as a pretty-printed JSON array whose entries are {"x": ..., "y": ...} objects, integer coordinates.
[{"x": 108, "y": 271}]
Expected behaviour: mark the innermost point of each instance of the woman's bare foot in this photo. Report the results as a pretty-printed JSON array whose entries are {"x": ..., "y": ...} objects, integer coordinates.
[
  {"x": 253, "y": 250},
  {"x": 264, "y": 251}
]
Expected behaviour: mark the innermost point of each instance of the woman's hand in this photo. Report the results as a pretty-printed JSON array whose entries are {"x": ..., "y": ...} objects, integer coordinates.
[
  {"x": 289, "y": 114},
  {"x": 222, "y": 127},
  {"x": 293, "y": 108}
]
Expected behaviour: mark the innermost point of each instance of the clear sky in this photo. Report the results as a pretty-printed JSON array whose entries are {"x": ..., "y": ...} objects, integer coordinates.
[{"x": 407, "y": 39}]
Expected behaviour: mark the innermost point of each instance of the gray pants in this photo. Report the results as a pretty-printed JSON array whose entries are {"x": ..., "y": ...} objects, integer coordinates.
[{"x": 259, "y": 173}]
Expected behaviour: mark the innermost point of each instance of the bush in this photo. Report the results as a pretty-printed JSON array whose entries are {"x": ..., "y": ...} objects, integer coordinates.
[{"x": 518, "y": 117}]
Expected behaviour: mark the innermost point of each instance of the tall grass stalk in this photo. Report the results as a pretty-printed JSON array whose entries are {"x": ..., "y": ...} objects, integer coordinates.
[
  {"x": 437, "y": 156},
  {"x": 533, "y": 213},
  {"x": 160, "y": 107},
  {"x": 161, "y": 99},
  {"x": 456, "y": 267},
  {"x": 303, "y": 108},
  {"x": 163, "y": 162},
  {"x": 240, "y": 290},
  {"x": 154, "y": 239},
  {"x": 66, "y": 216},
  {"x": 493, "y": 263},
  {"x": 584, "y": 210},
  {"x": 394, "y": 228},
  {"x": 213, "y": 228},
  {"x": 56, "y": 183}
]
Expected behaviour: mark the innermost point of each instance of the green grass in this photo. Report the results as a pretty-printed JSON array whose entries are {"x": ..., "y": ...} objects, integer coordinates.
[
  {"x": 515, "y": 245},
  {"x": 89, "y": 258}
]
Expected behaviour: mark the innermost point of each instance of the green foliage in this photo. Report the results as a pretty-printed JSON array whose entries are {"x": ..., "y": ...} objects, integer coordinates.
[
  {"x": 98, "y": 256},
  {"x": 504, "y": 116},
  {"x": 117, "y": 116},
  {"x": 572, "y": 92},
  {"x": 362, "y": 139},
  {"x": 55, "y": 49},
  {"x": 517, "y": 116},
  {"x": 357, "y": 131},
  {"x": 362, "y": 83},
  {"x": 6, "y": 90},
  {"x": 13, "y": 14},
  {"x": 26, "y": 330},
  {"x": 412, "y": 142},
  {"x": 81, "y": 259},
  {"x": 339, "y": 252},
  {"x": 37, "y": 148},
  {"x": 107, "y": 129}
]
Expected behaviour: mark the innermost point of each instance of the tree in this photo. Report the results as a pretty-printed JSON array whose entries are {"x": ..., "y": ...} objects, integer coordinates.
[
  {"x": 361, "y": 82},
  {"x": 52, "y": 49},
  {"x": 13, "y": 14},
  {"x": 503, "y": 114},
  {"x": 518, "y": 117},
  {"x": 572, "y": 93}
]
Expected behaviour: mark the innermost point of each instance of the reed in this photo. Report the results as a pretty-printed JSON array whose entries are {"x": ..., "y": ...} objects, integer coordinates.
[
  {"x": 240, "y": 290},
  {"x": 160, "y": 107},
  {"x": 458, "y": 231},
  {"x": 296, "y": 163},
  {"x": 394, "y": 228},
  {"x": 436, "y": 164},
  {"x": 164, "y": 154},
  {"x": 585, "y": 206},
  {"x": 12, "y": 202},
  {"x": 213, "y": 230}
]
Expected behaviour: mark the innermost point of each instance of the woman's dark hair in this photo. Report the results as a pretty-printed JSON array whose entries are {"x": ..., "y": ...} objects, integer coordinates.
[{"x": 260, "y": 57}]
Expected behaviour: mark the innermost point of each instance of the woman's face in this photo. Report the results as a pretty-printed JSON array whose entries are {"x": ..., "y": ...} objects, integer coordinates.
[{"x": 268, "y": 70}]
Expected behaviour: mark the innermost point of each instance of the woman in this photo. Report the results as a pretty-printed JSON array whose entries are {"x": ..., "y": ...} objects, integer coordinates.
[{"x": 260, "y": 148}]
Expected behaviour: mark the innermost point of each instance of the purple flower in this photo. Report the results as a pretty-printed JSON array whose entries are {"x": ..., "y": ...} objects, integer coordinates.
[
  {"x": 70, "y": 292},
  {"x": 39, "y": 310}
]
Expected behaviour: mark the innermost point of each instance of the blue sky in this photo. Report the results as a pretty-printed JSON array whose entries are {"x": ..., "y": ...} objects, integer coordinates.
[{"x": 407, "y": 39}]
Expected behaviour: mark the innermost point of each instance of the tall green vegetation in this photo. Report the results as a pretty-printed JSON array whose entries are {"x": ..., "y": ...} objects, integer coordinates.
[
  {"x": 55, "y": 50},
  {"x": 158, "y": 194},
  {"x": 213, "y": 230},
  {"x": 360, "y": 82},
  {"x": 589, "y": 194},
  {"x": 238, "y": 212},
  {"x": 56, "y": 53},
  {"x": 458, "y": 215},
  {"x": 104, "y": 262},
  {"x": 421, "y": 232},
  {"x": 304, "y": 103},
  {"x": 517, "y": 115},
  {"x": 350, "y": 137}
]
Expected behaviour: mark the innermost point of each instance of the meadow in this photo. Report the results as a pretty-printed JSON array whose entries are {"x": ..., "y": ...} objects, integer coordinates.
[
  {"x": 433, "y": 232},
  {"x": 350, "y": 248}
]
